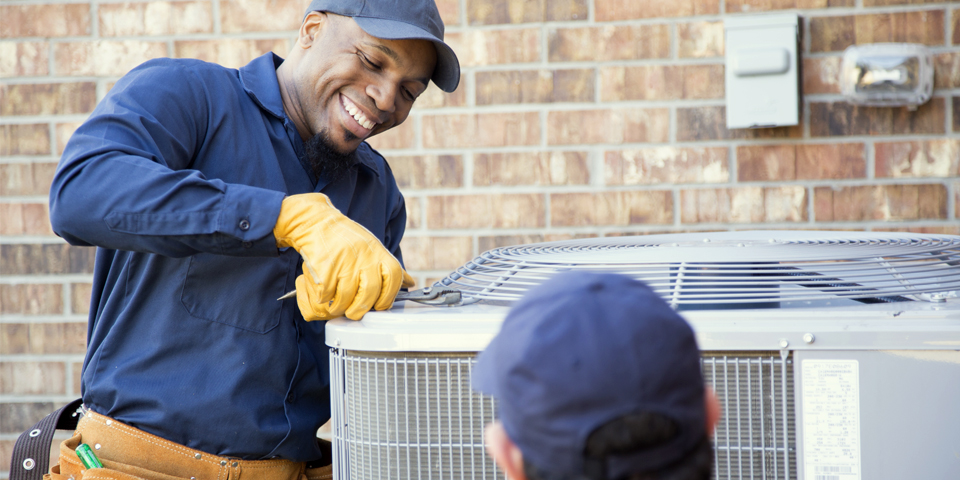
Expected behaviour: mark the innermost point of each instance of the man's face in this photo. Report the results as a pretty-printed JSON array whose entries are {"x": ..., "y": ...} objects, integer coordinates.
[{"x": 352, "y": 85}]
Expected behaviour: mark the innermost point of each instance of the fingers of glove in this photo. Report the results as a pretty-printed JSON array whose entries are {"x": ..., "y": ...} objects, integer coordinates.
[
  {"x": 324, "y": 287},
  {"x": 368, "y": 291},
  {"x": 346, "y": 291},
  {"x": 408, "y": 281},
  {"x": 311, "y": 307},
  {"x": 391, "y": 276}
]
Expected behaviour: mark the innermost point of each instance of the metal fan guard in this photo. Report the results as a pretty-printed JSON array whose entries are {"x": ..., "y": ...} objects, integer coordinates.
[{"x": 753, "y": 269}]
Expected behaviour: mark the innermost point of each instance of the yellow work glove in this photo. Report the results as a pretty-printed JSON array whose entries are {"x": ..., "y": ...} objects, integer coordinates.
[{"x": 345, "y": 268}]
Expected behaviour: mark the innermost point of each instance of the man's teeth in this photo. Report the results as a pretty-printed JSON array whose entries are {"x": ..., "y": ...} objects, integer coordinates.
[{"x": 359, "y": 116}]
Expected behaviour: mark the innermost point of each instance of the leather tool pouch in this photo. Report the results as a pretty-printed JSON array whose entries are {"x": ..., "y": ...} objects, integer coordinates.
[{"x": 31, "y": 453}]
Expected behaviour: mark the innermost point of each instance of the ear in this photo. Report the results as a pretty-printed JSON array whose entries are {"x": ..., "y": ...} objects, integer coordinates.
[
  {"x": 506, "y": 453},
  {"x": 712, "y": 406},
  {"x": 312, "y": 24}
]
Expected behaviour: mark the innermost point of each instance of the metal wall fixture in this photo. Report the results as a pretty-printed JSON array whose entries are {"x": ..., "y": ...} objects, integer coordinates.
[
  {"x": 887, "y": 75},
  {"x": 761, "y": 77}
]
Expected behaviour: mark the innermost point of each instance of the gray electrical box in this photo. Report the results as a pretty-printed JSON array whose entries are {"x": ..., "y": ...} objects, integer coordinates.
[{"x": 762, "y": 71}]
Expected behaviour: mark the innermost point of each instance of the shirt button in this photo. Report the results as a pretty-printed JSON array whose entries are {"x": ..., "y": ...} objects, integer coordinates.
[
  {"x": 244, "y": 225},
  {"x": 290, "y": 398},
  {"x": 247, "y": 244}
]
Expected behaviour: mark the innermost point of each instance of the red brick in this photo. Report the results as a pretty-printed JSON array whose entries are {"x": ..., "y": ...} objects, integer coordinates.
[
  {"x": 821, "y": 75},
  {"x": 242, "y": 16},
  {"x": 946, "y": 70},
  {"x": 955, "y": 27},
  {"x": 481, "y": 130},
  {"x": 433, "y": 97},
  {"x": 623, "y": 125},
  {"x": 18, "y": 418},
  {"x": 402, "y": 136},
  {"x": 830, "y": 34},
  {"x": 436, "y": 253},
  {"x": 534, "y": 86},
  {"x": 104, "y": 58},
  {"x": 449, "y": 11},
  {"x": 36, "y": 220},
  {"x": 612, "y": 10},
  {"x": 25, "y": 179},
  {"x": 956, "y": 114},
  {"x": 229, "y": 52},
  {"x": 700, "y": 40},
  {"x": 931, "y": 158},
  {"x": 489, "y": 12},
  {"x": 486, "y": 211},
  {"x": 414, "y": 213},
  {"x": 880, "y": 202},
  {"x": 666, "y": 165},
  {"x": 618, "y": 208},
  {"x": 531, "y": 168},
  {"x": 608, "y": 43},
  {"x": 33, "y": 378},
  {"x": 767, "y": 162},
  {"x": 831, "y": 161},
  {"x": 62, "y": 134},
  {"x": 428, "y": 171},
  {"x": 43, "y": 338},
  {"x": 800, "y": 162},
  {"x": 956, "y": 200},
  {"x": 744, "y": 205},
  {"x": 493, "y": 47},
  {"x": 710, "y": 123},
  {"x": 30, "y": 139},
  {"x": 31, "y": 299},
  {"x": 661, "y": 82},
  {"x": 47, "y": 98},
  {"x": 24, "y": 59},
  {"x": 51, "y": 20},
  {"x": 25, "y": 219},
  {"x": 735, "y": 6},
  {"x": 882, "y": 3},
  {"x": 31, "y": 259},
  {"x": 76, "y": 371},
  {"x": 842, "y": 118},
  {"x": 155, "y": 18},
  {"x": 80, "y": 297}
]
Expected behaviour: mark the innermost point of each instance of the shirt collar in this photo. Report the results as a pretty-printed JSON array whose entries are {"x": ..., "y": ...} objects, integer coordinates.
[{"x": 259, "y": 79}]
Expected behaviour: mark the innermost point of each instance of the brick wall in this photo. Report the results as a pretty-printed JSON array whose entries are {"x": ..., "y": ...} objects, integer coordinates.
[{"x": 574, "y": 118}]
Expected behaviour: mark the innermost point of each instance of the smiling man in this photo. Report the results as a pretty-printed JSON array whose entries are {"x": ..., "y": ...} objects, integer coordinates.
[{"x": 210, "y": 192}]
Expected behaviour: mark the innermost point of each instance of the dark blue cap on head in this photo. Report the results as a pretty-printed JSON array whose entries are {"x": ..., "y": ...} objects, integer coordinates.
[
  {"x": 400, "y": 20},
  {"x": 583, "y": 349}
]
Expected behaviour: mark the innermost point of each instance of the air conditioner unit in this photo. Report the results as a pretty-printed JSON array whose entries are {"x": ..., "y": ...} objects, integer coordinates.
[{"x": 836, "y": 355}]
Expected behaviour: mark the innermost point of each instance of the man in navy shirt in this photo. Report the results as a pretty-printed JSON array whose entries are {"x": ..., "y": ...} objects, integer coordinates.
[{"x": 210, "y": 192}]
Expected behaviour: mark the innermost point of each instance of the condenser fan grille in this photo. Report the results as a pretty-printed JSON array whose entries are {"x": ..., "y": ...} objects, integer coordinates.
[
  {"x": 414, "y": 416},
  {"x": 734, "y": 269}
]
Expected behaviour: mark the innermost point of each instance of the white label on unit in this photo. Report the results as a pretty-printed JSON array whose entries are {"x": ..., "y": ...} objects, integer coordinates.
[{"x": 831, "y": 419}]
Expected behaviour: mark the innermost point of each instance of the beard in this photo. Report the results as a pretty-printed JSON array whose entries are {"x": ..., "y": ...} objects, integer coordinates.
[{"x": 326, "y": 160}]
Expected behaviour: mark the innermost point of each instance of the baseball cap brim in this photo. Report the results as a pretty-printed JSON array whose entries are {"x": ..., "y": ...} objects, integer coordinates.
[{"x": 446, "y": 74}]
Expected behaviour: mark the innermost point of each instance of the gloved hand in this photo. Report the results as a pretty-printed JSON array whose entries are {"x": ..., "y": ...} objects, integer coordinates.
[{"x": 345, "y": 268}]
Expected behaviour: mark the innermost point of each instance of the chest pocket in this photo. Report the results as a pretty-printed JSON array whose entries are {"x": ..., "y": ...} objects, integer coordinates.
[{"x": 238, "y": 291}]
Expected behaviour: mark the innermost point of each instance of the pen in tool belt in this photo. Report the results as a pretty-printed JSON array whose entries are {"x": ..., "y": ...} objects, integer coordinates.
[
  {"x": 87, "y": 456},
  {"x": 426, "y": 296}
]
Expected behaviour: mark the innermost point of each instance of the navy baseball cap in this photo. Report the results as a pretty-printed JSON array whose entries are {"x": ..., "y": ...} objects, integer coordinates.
[
  {"x": 583, "y": 349},
  {"x": 400, "y": 20}
]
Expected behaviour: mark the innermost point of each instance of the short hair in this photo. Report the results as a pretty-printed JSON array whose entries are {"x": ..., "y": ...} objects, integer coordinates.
[{"x": 631, "y": 433}]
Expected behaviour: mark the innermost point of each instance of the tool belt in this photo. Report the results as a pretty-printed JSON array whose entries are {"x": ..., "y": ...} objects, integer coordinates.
[{"x": 128, "y": 453}]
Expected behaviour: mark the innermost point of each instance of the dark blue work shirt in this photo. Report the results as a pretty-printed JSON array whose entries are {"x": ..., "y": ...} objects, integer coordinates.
[{"x": 177, "y": 177}]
